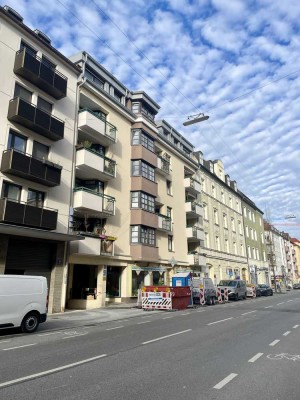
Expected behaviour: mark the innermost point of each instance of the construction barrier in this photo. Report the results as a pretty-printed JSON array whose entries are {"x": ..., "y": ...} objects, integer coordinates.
[
  {"x": 201, "y": 297},
  {"x": 225, "y": 294},
  {"x": 157, "y": 300},
  {"x": 219, "y": 295}
]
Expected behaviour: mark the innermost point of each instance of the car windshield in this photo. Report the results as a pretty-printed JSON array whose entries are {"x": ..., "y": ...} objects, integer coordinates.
[{"x": 227, "y": 283}]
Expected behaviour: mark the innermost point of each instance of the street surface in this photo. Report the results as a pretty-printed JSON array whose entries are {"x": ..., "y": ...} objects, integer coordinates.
[{"x": 240, "y": 350}]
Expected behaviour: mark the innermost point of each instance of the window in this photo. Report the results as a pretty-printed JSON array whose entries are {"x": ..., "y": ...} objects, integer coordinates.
[
  {"x": 25, "y": 94},
  {"x": 205, "y": 211},
  {"x": 225, "y": 221},
  {"x": 140, "y": 168},
  {"x": 169, "y": 187},
  {"x": 255, "y": 234},
  {"x": 169, "y": 212},
  {"x": 35, "y": 198},
  {"x": 170, "y": 243},
  {"x": 213, "y": 191},
  {"x": 262, "y": 238},
  {"x": 206, "y": 239},
  {"x": 230, "y": 202},
  {"x": 240, "y": 227},
  {"x": 141, "y": 138},
  {"x": 249, "y": 215},
  {"x": 234, "y": 248},
  {"x": 17, "y": 142},
  {"x": 11, "y": 191},
  {"x": 28, "y": 48},
  {"x": 226, "y": 246},
  {"x": 249, "y": 251},
  {"x": 142, "y": 234},
  {"x": 95, "y": 186},
  {"x": 251, "y": 233},
  {"x": 242, "y": 249},
  {"x": 91, "y": 76},
  {"x": 233, "y": 224},
  {"x": 146, "y": 111},
  {"x": 253, "y": 252},
  {"x": 203, "y": 184},
  {"x": 218, "y": 243},
  {"x": 237, "y": 206},
  {"x": 260, "y": 223},
  {"x": 264, "y": 256},
  {"x": 147, "y": 202},
  {"x": 135, "y": 108},
  {"x": 247, "y": 231},
  {"x": 257, "y": 254},
  {"x": 44, "y": 105},
  {"x": 216, "y": 217},
  {"x": 245, "y": 212},
  {"x": 118, "y": 96},
  {"x": 253, "y": 217},
  {"x": 40, "y": 151},
  {"x": 223, "y": 197}
]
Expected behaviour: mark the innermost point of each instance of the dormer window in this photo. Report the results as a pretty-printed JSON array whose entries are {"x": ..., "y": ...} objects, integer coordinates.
[
  {"x": 118, "y": 96},
  {"x": 91, "y": 76}
]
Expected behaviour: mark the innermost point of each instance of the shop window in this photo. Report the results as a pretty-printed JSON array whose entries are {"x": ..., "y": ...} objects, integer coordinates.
[
  {"x": 84, "y": 284},
  {"x": 113, "y": 282}
]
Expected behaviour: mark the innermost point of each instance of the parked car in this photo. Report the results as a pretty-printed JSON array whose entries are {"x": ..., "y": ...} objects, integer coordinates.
[
  {"x": 236, "y": 289},
  {"x": 258, "y": 291},
  {"x": 210, "y": 291},
  {"x": 265, "y": 290},
  {"x": 296, "y": 286}
]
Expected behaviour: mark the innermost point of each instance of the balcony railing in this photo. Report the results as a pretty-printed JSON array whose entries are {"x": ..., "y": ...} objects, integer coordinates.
[
  {"x": 89, "y": 200},
  {"x": 36, "y": 70},
  {"x": 192, "y": 207},
  {"x": 164, "y": 222},
  {"x": 24, "y": 165},
  {"x": 94, "y": 164},
  {"x": 163, "y": 165},
  {"x": 194, "y": 232},
  {"x": 192, "y": 185},
  {"x": 27, "y": 214},
  {"x": 36, "y": 119},
  {"x": 96, "y": 124}
]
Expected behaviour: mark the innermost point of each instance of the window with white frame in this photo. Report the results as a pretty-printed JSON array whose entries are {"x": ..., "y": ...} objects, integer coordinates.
[
  {"x": 262, "y": 238},
  {"x": 245, "y": 212},
  {"x": 213, "y": 190},
  {"x": 255, "y": 234},
  {"x": 143, "y": 235},
  {"x": 206, "y": 239},
  {"x": 257, "y": 254},
  {"x": 218, "y": 243},
  {"x": 237, "y": 206},
  {"x": 203, "y": 184},
  {"x": 254, "y": 253},
  {"x": 260, "y": 223},
  {"x": 233, "y": 224},
  {"x": 205, "y": 211},
  {"x": 234, "y": 248},
  {"x": 230, "y": 201},
  {"x": 226, "y": 246},
  {"x": 249, "y": 215},
  {"x": 251, "y": 233},
  {"x": 240, "y": 227},
  {"x": 249, "y": 251},
  {"x": 253, "y": 217},
  {"x": 225, "y": 221},
  {"x": 264, "y": 255},
  {"x": 247, "y": 231},
  {"x": 242, "y": 250},
  {"x": 222, "y": 197},
  {"x": 216, "y": 216}
]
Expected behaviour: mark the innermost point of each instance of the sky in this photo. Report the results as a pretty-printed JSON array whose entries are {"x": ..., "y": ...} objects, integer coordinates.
[{"x": 237, "y": 61}]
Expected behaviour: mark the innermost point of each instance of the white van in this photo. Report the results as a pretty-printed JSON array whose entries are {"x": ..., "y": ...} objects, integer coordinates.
[
  {"x": 210, "y": 292},
  {"x": 23, "y": 301}
]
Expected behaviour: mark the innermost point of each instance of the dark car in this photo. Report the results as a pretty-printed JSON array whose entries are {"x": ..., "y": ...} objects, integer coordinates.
[
  {"x": 296, "y": 286},
  {"x": 257, "y": 290},
  {"x": 265, "y": 290}
]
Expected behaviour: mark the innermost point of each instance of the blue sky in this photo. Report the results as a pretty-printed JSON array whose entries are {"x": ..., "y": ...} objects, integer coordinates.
[{"x": 236, "y": 60}]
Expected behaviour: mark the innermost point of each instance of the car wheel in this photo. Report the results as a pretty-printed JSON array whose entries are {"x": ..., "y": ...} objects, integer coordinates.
[
  {"x": 213, "y": 301},
  {"x": 236, "y": 297},
  {"x": 208, "y": 301},
  {"x": 30, "y": 322},
  {"x": 245, "y": 296},
  {"x": 271, "y": 294}
]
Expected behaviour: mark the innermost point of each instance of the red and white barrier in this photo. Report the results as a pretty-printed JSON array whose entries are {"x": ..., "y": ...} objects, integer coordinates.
[
  {"x": 201, "y": 297},
  {"x": 219, "y": 295},
  {"x": 225, "y": 294},
  {"x": 157, "y": 300}
]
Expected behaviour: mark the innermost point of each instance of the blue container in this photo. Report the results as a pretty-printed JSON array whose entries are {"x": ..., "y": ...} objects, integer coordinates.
[{"x": 182, "y": 279}]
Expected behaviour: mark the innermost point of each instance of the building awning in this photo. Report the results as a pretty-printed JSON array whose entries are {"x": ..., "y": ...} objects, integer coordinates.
[{"x": 24, "y": 231}]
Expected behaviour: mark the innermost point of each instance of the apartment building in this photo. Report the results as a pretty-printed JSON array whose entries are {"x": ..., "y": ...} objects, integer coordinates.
[
  {"x": 135, "y": 222},
  {"x": 258, "y": 266},
  {"x": 296, "y": 259},
  {"x": 37, "y": 120},
  {"x": 222, "y": 222}
]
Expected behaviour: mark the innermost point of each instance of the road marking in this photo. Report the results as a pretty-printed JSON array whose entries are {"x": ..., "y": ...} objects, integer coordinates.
[
  {"x": 19, "y": 347},
  {"x": 274, "y": 342},
  {"x": 144, "y": 322},
  {"x": 167, "y": 317},
  {"x": 200, "y": 310},
  {"x": 249, "y": 312},
  {"x": 269, "y": 307},
  {"x": 47, "y": 334},
  {"x": 225, "y": 381},
  {"x": 4, "y": 341},
  {"x": 187, "y": 313},
  {"x": 286, "y": 333},
  {"x": 50, "y": 371},
  {"x": 296, "y": 326},
  {"x": 279, "y": 303},
  {"x": 167, "y": 336},
  {"x": 289, "y": 301},
  {"x": 256, "y": 357},
  {"x": 115, "y": 327},
  {"x": 79, "y": 334},
  {"x": 221, "y": 320}
]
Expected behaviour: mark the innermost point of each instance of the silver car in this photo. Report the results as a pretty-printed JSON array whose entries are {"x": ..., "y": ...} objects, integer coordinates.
[{"x": 236, "y": 288}]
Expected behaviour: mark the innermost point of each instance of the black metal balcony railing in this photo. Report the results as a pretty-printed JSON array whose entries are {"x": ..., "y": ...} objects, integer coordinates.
[
  {"x": 31, "y": 215},
  {"x": 108, "y": 202},
  {"x": 109, "y": 130},
  {"x": 24, "y": 165},
  {"x": 36, "y": 119},
  {"x": 39, "y": 72}
]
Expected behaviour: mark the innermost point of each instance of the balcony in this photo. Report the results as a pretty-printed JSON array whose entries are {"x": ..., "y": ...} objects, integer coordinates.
[
  {"x": 93, "y": 165},
  {"x": 36, "y": 119},
  {"x": 193, "y": 209},
  {"x": 95, "y": 246},
  {"x": 194, "y": 233},
  {"x": 140, "y": 252},
  {"x": 196, "y": 259},
  {"x": 40, "y": 73},
  {"x": 90, "y": 202},
  {"x": 94, "y": 128},
  {"x": 24, "y": 165},
  {"x": 192, "y": 186},
  {"x": 20, "y": 213},
  {"x": 163, "y": 166},
  {"x": 164, "y": 223}
]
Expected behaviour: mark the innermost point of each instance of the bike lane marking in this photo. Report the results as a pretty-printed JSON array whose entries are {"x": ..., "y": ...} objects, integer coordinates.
[
  {"x": 274, "y": 342},
  {"x": 256, "y": 357},
  {"x": 225, "y": 381}
]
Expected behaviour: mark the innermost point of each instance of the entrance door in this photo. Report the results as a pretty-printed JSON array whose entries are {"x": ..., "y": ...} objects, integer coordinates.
[{"x": 113, "y": 282}]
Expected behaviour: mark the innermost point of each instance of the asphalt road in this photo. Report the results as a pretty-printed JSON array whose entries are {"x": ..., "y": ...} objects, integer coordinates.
[{"x": 241, "y": 350}]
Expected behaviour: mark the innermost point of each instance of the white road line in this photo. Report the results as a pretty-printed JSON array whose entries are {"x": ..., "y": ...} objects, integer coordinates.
[
  {"x": 289, "y": 301},
  {"x": 286, "y": 333},
  {"x": 4, "y": 341},
  {"x": 256, "y": 357},
  {"x": 269, "y": 307},
  {"x": 167, "y": 317},
  {"x": 71, "y": 337},
  {"x": 274, "y": 342},
  {"x": 225, "y": 381},
  {"x": 221, "y": 320},
  {"x": 50, "y": 371},
  {"x": 249, "y": 312},
  {"x": 144, "y": 322},
  {"x": 167, "y": 336},
  {"x": 187, "y": 313},
  {"x": 200, "y": 310},
  {"x": 296, "y": 326},
  {"x": 19, "y": 347},
  {"x": 279, "y": 303},
  {"x": 48, "y": 334},
  {"x": 115, "y": 327}
]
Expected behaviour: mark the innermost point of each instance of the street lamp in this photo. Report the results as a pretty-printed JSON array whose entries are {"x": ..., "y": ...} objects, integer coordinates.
[{"x": 193, "y": 119}]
